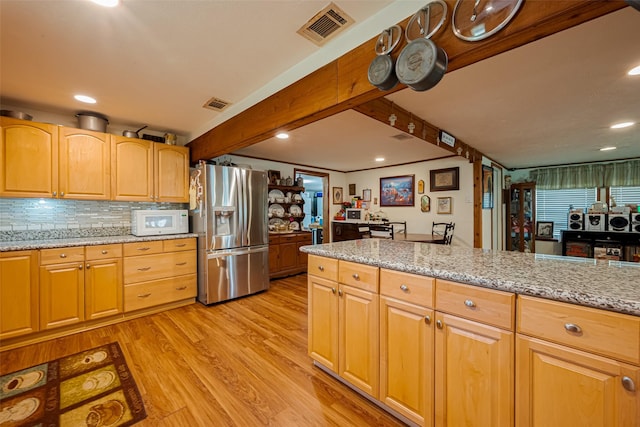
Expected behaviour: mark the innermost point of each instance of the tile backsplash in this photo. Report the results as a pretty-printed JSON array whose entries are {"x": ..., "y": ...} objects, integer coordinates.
[{"x": 29, "y": 219}]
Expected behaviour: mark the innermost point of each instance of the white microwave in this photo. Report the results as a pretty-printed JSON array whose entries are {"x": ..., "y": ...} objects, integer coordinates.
[
  {"x": 155, "y": 222},
  {"x": 354, "y": 214}
]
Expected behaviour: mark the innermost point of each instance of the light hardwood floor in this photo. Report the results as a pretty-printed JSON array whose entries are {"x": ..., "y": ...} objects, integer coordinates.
[{"x": 240, "y": 363}]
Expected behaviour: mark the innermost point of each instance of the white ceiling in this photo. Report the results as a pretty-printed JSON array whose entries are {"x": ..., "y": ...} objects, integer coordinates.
[{"x": 156, "y": 62}]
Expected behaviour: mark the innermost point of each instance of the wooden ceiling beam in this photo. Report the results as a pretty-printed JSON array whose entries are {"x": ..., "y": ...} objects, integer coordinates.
[{"x": 343, "y": 83}]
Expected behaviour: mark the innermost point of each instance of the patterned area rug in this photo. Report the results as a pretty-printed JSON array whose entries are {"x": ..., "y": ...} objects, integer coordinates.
[{"x": 90, "y": 388}]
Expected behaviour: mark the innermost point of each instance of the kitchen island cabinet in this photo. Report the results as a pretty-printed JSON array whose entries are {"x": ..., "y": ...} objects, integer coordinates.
[{"x": 18, "y": 293}]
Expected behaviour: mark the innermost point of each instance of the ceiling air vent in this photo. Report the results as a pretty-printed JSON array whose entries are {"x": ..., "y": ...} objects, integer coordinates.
[
  {"x": 401, "y": 136},
  {"x": 325, "y": 24},
  {"x": 216, "y": 104}
]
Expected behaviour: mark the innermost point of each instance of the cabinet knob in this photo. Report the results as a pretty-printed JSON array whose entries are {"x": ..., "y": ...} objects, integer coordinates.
[
  {"x": 628, "y": 384},
  {"x": 427, "y": 320},
  {"x": 62, "y": 194},
  {"x": 469, "y": 303},
  {"x": 80, "y": 267},
  {"x": 356, "y": 276},
  {"x": 340, "y": 292},
  {"x": 439, "y": 324},
  {"x": 55, "y": 193},
  {"x": 404, "y": 287},
  {"x": 88, "y": 266},
  {"x": 104, "y": 252},
  {"x": 321, "y": 268},
  {"x": 573, "y": 328},
  {"x": 333, "y": 290},
  {"x": 63, "y": 255}
]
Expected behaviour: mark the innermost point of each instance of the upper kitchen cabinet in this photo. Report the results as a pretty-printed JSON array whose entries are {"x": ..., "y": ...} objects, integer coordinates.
[
  {"x": 84, "y": 165},
  {"x": 29, "y": 158},
  {"x": 146, "y": 171}
]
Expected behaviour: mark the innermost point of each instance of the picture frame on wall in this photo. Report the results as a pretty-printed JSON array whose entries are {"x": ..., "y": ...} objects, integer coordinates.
[
  {"x": 487, "y": 187},
  {"x": 421, "y": 187},
  {"x": 425, "y": 203},
  {"x": 544, "y": 229},
  {"x": 444, "y": 205},
  {"x": 337, "y": 195},
  {"x": 366, "y": 195},
  {"x": 397, "y": 191},
  {"x": 274, "y": 177},
  {"x": 444, "y": 179},
  {"x": 352, "y": 189}
]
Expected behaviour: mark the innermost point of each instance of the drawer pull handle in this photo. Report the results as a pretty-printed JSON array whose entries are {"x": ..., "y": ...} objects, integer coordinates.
[
  {"x": 427, "y": 320},
  {"x": 628, "y": 384},
  {"x": 144, "y": 295},
  {"x": 321, "y": 268},
  {"x": 181, "y": 288},
  {"x": 104, "y": 252},
  {"x": 573, "y": 328},
  {"x": 439, "y": 324},
  {"x": 333, "y": 290},
  {"x": 404, "y": 288},
  {"x": 182, "y": 263},
  {"x": 144, "y": 249},
  {"x": 181, "y": 245},
  {"x": 340, "y": 292},
  {"x": 469, "y": 303},
  {"x": 144, "y": 268},
  {"x": 63, "y": 255},
  {"x": 356, "y": 276}
]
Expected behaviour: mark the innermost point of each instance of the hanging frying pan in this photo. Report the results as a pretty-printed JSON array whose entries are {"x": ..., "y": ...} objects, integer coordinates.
[{"x": 382, "y": 69}]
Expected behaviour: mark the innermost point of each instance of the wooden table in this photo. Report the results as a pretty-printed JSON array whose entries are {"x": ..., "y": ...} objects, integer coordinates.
[{"x": 422, "y": 238}]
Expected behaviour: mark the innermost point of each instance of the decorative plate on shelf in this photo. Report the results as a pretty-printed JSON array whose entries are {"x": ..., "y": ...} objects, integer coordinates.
[
  {"x": 294, "y": 226},
  {"x": 295, "y": 210},
  {"x": 276, "y": 210},
  {"x": 296, "y": 198},
  {"x": 276, "y": 194}
]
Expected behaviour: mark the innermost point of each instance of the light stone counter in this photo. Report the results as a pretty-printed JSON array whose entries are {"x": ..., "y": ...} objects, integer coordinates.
[
  {"x": 608, "y": 285},
  {"x": 23, "y": 245}
]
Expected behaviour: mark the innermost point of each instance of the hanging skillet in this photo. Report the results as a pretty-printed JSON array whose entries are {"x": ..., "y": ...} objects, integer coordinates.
[
  {"x": 422, "y": 64},
  {"x": 382, "y": 70}
]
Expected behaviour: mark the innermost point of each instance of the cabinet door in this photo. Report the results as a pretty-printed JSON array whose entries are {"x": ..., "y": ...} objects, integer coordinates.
[
  {"x": 359, "y": 338},
  {"x": 559, "y": 386},
  {"x": 103, "y": 288},
  {"x": 18, "y": 293},
  {"x": 288, "y": 254},
  {"x": 323, "y": 321},
  {"x": 84, "y": 164},
  {"x": 61, "y": 294},
  {"x": 274, "y": 257},
  {"x": 171, "y": 173},
  {"x": 406, "y": 359},
  {"x": 131, "y": 169},
  {"x": 29, "y": 161},
  {"x": 474, "y": 373}
]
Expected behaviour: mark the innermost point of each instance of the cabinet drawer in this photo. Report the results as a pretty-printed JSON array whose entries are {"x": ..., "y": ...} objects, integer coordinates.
[
  {"x": 156, "y": 292},
  {"x": 327, "y": 268},
  {"x": 179, "y": 245},
  {"x": 159, "y": 266},
  {"x": 142, "y": 248},
  {"x": 274, "y": 239},
  {"x": 484, "y": 305},
  {"x": 60, "y": 255},
  {"x": 304, "y": 238},
  {"x": 611, "y": 334},
  {"x": 407, "y": 287},
  {"x": 288, "y": 238},
  {"x": 93, "y": 253},
  {"x": 358, "y": 275}
]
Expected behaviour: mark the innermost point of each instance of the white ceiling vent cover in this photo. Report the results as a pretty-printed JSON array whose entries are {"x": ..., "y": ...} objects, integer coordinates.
[
  {"x": 216, "y": 104},
  {"x": 325, "y": 24}
]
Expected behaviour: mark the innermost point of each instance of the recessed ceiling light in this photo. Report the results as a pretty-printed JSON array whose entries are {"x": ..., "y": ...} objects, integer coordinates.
[
  {"x": 607, "y": 148},
  {"x": 85, "y": 99},
  {"x": 622, "y": 125},
  {"x": 379, "y": 159},
  {"x": 635, "y": 71},
  {"x": 282, "y": 135},
  {"x": 107, "y": 3}
]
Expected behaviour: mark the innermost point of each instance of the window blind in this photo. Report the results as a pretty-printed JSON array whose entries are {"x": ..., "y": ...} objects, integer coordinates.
[{"x": 554, "y": 205}]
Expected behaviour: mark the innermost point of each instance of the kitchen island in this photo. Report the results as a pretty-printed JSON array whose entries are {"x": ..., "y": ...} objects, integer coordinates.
[{"x": 441, "y": 335}]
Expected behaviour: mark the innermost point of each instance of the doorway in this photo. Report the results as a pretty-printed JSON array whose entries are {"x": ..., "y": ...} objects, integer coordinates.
[{"x": 316, "y": 208}]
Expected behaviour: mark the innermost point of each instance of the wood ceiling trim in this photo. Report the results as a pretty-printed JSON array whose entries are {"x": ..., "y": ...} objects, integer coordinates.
[{"x": 343, "y": 83}]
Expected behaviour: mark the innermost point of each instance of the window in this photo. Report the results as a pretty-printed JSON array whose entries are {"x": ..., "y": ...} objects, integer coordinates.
[
  {"x": 625, "y": 195},
  {"x": 554, "y": 205}
]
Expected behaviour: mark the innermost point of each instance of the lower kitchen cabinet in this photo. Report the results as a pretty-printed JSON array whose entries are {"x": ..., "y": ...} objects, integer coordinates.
[
  {"x": 285, "y": 258},
  {"x": 18, "y": 293},
  {"x": 103, "y": 281}
]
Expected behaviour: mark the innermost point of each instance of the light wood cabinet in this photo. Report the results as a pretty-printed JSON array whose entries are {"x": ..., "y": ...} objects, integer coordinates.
[
  {"x": 29, "y": 161},
  {"x": 84, "y": 164},
  {"x": 323, "y": 321},
  {"x": 576, "y": 365},
  {"x": 407, "y": 345},
  {"x": 474, "y": 356},
  {"x": 146, "y": 171},
  {"x": 103, "y": 281},
  {"x": 157, "y": 273},
  {"x": 61, "y": 287},
  {"x": 19, "y": 303}
]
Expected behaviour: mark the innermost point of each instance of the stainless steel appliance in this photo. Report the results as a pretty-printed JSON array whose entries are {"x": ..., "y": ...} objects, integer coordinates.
[{"x": 228, "y": 209}]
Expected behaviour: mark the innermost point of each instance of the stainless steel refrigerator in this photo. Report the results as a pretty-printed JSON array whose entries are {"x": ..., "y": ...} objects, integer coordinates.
[{"x": 228, "y": 210}]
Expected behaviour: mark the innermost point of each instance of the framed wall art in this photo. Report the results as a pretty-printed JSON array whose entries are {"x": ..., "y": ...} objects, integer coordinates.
[
  {"x": 352, "y": 189},
  {"x": 366, "y": 195},
  {"x": 487, "y": 187},
  {"x": 425, "y": 203},
  {"x": 444, "y": 205},
  {"x": 544, "y": 229},
  {"x": 444, "y": 179},
  {"x": 337, "y": 195},
  {"x": 274, "y": 177},
  {"x": 397, "y": 191},
  {"x": 421, "y": 187}
]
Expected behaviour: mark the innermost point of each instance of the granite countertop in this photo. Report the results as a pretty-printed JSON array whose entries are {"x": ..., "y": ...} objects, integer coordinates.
[
  {"x": 22, "y": 245},
  {"x": 608, "y": 285}
]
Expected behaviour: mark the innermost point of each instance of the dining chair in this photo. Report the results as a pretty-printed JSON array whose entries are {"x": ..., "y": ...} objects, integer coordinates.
[{"x": 444, "y": 229}]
